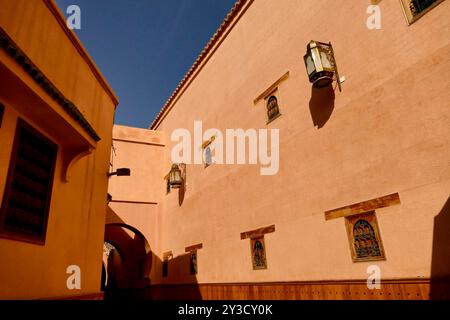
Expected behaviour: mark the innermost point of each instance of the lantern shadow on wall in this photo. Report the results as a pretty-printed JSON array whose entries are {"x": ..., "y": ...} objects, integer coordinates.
[{"x": 321, "y": 105}]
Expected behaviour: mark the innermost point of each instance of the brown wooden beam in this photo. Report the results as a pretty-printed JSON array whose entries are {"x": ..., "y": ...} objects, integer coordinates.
[
  {"x": 271, "y": 89},
  {"x": 257, "y": 233},
  {"x": 361, "y": 207},
  {"x": 194, "y": 247}
]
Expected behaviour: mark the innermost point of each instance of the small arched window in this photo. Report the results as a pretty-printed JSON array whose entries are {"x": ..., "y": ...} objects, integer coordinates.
[
  {"x": 364, "y": 237},
  {"x": 273, "y": 111},
  {"x": 365, "y": 241},
  {"x": 258, "y": 253},
  {"x": 208, "y": 156}
]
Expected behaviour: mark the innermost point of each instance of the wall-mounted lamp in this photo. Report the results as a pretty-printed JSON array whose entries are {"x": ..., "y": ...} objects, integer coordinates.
[
  {"x": 122, "y": 172},
  {"x": 175, "y": 177},
  {"x": 321, "y": 65}
]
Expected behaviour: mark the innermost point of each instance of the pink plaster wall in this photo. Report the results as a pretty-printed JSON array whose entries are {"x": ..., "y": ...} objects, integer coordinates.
[{"x": 388, "y": 133}]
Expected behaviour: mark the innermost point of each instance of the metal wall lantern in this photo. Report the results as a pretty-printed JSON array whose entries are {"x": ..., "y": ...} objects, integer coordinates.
[
  {"x": 175, "y": 177},
  {"x": 321, "y": 65},
  {"x": 122, "y": 172}
]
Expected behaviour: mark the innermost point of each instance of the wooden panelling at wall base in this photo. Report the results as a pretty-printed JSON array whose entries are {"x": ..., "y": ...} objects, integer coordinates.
[
  {"x": 92, "y": 296},
  {"x": 362, "y": 207},
  {"x": 333, "y": 290}
]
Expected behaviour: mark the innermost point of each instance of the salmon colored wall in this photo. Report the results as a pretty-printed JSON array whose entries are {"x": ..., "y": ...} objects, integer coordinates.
[
  {"x": 136, "y": 200},
  {"x": 388, "y": 132},
  {"x": 75, "y": 228}
]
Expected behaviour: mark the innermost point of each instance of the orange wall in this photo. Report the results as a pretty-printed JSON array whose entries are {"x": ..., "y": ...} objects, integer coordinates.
[{"x": 77, "y": 213}]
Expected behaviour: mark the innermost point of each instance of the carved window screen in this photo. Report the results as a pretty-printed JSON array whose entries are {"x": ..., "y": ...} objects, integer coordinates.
[
  {"x": 364, "y": 237},
  {"x": 258, "y": 250},
  {"x": 273, "y": 110}
]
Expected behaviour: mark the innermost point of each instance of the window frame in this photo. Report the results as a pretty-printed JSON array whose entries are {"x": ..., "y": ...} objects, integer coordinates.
[
  {"x": 273, "y": 94},
  {"x": 253, "y": 240},
  {"x": 205, "y": 146},
  {"x": 14, "y": 235},
  {"x": 205, "y": 150},
  {"x": 410, "y": 18},
  {"x": 371, "y": 218}
]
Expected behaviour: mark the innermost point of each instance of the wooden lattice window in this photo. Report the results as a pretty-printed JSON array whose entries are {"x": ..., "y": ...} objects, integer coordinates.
[
  {"x": 2, "y": 110},
  {"x": 258, "y": 249},
  {"x": 273, "y": 110},
  {"x": 364, "y": 237},
  {"x": 26, "y": 200},
  {"x": 414, "y": 9}
]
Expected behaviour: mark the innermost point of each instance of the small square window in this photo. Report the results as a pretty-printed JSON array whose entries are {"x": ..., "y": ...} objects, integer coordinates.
[
  {"x": 258, "y": 250},
  {"x": 414, "y": 9},
  {"x": 364, "y": 237}
]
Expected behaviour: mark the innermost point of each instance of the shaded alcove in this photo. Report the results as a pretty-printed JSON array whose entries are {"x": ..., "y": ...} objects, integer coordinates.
[
  {"x": 130, "y": 263},
  {"x": 440, "y": 262},
  {"x": 321, "y": 105},
  {"x": 179, "y": 285}
]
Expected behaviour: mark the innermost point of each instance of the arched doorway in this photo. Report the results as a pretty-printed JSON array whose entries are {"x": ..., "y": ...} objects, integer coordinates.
[{"x": 129, "y": 259}]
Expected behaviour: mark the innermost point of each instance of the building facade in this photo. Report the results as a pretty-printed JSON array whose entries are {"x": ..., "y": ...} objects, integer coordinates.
[
  {"x": 362, "y": 186},
  {"x": 56, "y": 118}
]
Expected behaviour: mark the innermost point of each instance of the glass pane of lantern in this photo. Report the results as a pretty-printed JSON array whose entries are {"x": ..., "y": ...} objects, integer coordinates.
[
  {"x": 310, "y": 67},
  {"x": 175, "y": 177},
  {"x": 316, "y": 58},
  {"x": 325, "y": 60}
]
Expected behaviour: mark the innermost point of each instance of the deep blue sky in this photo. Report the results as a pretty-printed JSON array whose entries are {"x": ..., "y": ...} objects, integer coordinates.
[{"x": 145, "y": 47}]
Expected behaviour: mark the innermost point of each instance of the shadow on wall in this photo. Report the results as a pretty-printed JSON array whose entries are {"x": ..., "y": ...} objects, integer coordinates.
[
  {"x": 440, "y": 262},
  {"x": 181, "y": 194},
  {"x": 321, "y": 105}
]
